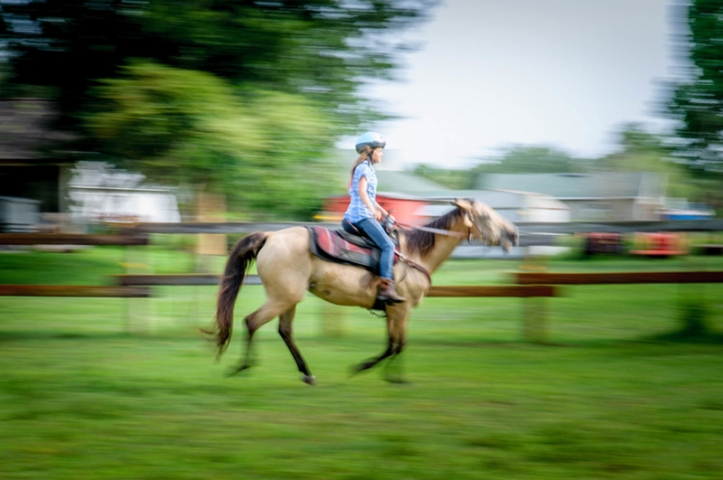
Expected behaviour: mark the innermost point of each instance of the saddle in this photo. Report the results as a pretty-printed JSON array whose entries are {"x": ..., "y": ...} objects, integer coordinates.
[{"x": 339, "y": 246}]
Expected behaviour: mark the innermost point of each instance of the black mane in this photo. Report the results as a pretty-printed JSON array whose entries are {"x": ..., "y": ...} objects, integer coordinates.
[{"x": 422, "y": 242}]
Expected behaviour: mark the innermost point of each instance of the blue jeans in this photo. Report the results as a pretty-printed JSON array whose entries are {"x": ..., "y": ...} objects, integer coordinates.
[{"x": 376, "y": 233}]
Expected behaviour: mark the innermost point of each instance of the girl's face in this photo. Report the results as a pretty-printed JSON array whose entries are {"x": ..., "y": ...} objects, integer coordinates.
[{"x": 377, "y": 155}]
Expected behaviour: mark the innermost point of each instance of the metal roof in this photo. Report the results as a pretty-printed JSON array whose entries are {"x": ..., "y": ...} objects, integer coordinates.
[{"x": 571, "y": 186}]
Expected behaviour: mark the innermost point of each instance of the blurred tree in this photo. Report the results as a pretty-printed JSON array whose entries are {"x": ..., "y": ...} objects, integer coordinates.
[
  {"x": 642, "y": 151},
  {"x": 191, "y": 127},
  {"x": 533, "y": 159},
  {"x": 280, "y": 81},
  {"x": 454, "y": 179},
  {"x": 698, "y": 102},
  {"x": 517, "y": 159}
]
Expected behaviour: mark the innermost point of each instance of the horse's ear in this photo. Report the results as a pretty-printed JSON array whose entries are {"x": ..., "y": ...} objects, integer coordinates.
[{"x": 464, "y": 205}]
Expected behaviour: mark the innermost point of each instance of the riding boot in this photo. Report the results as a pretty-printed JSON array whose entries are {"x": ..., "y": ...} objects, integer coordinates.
[{"x": 387, "y": 293}]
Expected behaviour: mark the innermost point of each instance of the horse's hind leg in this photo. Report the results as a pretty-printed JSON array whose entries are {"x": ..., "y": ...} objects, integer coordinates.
[
  {"x": 268, "y": 311},
  {"x": 285, "y": 330}
]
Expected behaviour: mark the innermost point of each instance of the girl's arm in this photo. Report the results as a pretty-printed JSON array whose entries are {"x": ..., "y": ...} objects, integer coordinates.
[
  {"x": 379, "y": 207},
  {"x": 362, "y": 189}
]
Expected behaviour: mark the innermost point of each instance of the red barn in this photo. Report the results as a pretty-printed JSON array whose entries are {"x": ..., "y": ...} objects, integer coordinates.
[
  {"x": 404, "y": 194},
  {"x": 404, "y": 209}
]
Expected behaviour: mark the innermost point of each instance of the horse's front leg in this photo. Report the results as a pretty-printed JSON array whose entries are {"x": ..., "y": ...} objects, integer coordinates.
[
  {"x": 394, "y": 369},
  {"x": 372, "y": 362},
  {"x": 396, "y": 321}
]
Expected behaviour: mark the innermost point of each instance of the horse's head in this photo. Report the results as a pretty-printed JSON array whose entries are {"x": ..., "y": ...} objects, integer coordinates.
[{"x": 487, "y": 225}]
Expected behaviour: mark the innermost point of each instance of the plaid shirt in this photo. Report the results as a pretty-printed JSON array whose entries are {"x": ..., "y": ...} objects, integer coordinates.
[{"x": 357, "y": 210}]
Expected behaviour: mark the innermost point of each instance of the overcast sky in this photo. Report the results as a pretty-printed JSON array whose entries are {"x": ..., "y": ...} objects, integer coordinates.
[{"x": 562, "y": 73}]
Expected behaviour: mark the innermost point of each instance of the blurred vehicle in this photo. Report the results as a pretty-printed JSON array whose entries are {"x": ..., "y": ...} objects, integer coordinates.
[
  {"x": 603, "y": 244},
  {"x": 660, "y": 245},
  {"x": 681, "y": 209}
]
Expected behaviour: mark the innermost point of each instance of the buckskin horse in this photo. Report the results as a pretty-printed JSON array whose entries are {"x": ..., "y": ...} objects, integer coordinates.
[{"x": 288, "y": 269}]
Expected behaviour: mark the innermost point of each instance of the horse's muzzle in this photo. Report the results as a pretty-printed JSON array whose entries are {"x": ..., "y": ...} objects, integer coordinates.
[{"x": 509, "y": 239}]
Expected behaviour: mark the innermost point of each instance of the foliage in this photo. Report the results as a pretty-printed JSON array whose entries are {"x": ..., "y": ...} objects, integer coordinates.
[
  {"x": 233, "y": 96},
  {"x": 697, "y": 103},
  {"x": 322, "y": 49},
  {"x": 534, "y": 159},
  {"x": 641, "y": 151},
  {"x": 517, "y": 159},
  {"x": 453, "y": 179},
  {"x": 638, "y": 151},
  {"x": 191, "y": 127}
]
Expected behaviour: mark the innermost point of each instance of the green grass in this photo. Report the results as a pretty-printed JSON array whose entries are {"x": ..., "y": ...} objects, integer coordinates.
[{"x": 112, "y": 388}]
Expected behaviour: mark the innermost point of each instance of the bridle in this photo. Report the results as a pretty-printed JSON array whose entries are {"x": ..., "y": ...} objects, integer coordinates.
[
  {"x": 388, "y": 225},
  {"x": 407, "y": 227}
]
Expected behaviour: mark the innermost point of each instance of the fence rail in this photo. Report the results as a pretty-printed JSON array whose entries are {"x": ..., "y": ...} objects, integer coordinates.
[
  {"x": 127, "y": 239},
  {"x": 523, "y": 291},
  {"x": 610, "y": 278},
  {"x": 187, "y": 279},
  {"x": 434, "y": 291},
  {"x": 73, "y": 291},
  {"x": 712, "y": 225}
]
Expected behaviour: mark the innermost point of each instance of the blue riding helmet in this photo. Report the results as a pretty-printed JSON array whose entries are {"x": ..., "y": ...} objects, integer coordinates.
[{"x": 369, "y": 139}]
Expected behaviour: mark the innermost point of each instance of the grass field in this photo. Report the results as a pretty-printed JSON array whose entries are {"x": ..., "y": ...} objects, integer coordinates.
[{"x": 112, "y": 388}]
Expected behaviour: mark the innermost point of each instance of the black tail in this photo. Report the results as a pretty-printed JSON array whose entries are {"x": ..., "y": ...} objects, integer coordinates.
[{"x": 241, "y": 257}]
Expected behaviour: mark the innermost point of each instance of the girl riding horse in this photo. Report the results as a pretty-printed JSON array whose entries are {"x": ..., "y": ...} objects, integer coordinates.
[{"x": 364, "y": 213}]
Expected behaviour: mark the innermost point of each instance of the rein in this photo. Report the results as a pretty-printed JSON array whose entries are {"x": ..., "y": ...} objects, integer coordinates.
[
  {"x": 408, "y": 228},
  {"x": 414, "y": 265},
  {"x": 449, "y": 233}
]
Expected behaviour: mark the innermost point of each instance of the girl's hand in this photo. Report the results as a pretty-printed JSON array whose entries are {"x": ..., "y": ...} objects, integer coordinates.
[{"x": 378, "y": 215}]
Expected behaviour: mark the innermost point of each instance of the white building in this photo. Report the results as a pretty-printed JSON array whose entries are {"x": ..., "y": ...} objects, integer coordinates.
[{"x": 99, "y": 193}]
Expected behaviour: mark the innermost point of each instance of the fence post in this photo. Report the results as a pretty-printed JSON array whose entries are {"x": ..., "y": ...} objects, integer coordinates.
[
  {"x": 534, "y": 309},
  {"x": 333, "y": 320},
  {"x": 534, "y": 328},
  {"x": 135, "y": 311}
]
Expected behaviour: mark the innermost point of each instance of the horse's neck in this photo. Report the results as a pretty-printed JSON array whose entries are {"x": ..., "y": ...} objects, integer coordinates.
[
  {"x": 444, "y": 245},
  {"x": 443, "y": 248}
]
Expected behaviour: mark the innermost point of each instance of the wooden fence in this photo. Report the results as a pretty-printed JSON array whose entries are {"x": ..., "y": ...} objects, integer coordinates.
[
  {"x": 27, "y": 239},
  {"x": 523, "y": 291},
  {"x": 536, "y": 318},
  {"x": 529, "y": 285}
]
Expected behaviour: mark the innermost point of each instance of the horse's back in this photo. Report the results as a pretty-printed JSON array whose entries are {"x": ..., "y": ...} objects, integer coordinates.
[
  {"x": 284, "y": 264},
  {"x": 288, "y": 268}
]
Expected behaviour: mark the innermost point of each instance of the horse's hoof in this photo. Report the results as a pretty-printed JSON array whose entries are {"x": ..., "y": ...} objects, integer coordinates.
[
  {"x": 237, "y": 370},
  {"x": 309, "y": 379},
  {"x": 398, "y": 381},
  {"x": 362, "y": 367}
]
